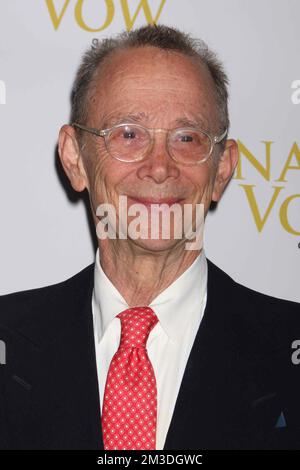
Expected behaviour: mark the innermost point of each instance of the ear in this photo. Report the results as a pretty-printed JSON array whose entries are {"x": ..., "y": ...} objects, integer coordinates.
[
  {"x": 226, "y": 166},
  {"x": 71, "y": 158}
]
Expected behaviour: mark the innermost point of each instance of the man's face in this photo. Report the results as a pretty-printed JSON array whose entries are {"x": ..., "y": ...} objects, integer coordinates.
[{"x": 157, "y": 89}]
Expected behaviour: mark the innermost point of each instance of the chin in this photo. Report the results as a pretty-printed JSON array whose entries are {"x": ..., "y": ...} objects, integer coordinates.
[{"x": 157, "y": 245}]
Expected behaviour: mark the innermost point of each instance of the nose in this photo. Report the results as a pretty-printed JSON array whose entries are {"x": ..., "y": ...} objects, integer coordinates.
[{"x": 158, "y": 166}]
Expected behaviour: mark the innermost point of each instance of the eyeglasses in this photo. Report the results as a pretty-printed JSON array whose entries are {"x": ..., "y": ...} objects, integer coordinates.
[{"x": 132, "y": 142}]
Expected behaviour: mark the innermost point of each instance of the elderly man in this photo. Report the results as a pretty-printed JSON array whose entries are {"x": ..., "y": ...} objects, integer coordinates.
[{"x": 152, "y": 346}]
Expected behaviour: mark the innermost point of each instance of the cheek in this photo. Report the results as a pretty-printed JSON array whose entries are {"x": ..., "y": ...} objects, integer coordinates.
[
  {"x": 96, "y": 171},
  {"x": 200, "y": 179},
  {"x": 106, "y": 177}
]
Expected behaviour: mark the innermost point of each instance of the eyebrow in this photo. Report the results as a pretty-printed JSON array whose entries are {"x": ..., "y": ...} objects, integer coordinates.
[
  {"x": 119, "y": 118},
  {"x": 115, "y": 119},
  {"x": 199, "y": 122}
]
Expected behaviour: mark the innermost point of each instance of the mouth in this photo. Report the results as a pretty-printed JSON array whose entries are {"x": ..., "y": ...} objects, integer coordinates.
[{"x": 150, "y": 201}]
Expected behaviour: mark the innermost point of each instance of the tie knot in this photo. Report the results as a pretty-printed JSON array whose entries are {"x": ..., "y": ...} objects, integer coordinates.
[{"x": 136, "y": 324}]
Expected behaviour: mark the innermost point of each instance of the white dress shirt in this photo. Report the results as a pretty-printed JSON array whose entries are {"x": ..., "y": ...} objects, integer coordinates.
[{"x": 179, "y": 309}]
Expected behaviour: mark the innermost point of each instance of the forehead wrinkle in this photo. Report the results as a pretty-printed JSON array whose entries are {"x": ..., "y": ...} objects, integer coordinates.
[{"x": 145, "y": 70}]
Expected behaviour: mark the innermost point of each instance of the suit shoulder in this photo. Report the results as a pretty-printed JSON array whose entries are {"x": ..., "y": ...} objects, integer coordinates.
[
  {"x": 279, "y": 316},
  {"x": 273, "y": 304},
  {"x": 19, "y": 307},
  {"x": 253, "y": 297},
  {"x": 258, "y": 314}
]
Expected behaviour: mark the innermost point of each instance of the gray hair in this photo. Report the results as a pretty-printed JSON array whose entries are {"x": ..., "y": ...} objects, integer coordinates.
[{"x": 162, "y": 37}]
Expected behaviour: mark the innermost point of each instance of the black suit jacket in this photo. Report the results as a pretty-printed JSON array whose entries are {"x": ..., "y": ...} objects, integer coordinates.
[{"x": 240, "y": 389}]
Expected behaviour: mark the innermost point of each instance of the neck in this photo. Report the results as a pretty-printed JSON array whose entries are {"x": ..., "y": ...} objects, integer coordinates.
[{"x": 140, "y": 274}]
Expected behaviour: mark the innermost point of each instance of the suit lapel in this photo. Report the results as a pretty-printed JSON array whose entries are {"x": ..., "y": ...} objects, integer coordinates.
[
  {"x": 74, "y": 405},
  {"x": 218, "y": 405},
  {"x": 64, "y": 414},
  {"x": 205, "y": 395}
]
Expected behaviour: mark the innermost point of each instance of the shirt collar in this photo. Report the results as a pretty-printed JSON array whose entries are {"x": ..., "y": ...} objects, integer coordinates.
[{"x": 175, "y": 307}]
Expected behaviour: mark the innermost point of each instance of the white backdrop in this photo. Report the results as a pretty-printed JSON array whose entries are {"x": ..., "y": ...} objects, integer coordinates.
[{"x": 254, "y": 234}]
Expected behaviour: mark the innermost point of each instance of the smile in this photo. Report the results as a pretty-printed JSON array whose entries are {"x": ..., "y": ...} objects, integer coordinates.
[{"x": 150, "y": 201}]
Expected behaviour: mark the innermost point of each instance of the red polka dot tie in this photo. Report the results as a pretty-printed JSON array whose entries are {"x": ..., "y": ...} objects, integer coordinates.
[{"x": 129, "y": 412}]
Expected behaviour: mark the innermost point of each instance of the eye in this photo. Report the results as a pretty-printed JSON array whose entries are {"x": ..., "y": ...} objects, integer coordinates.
[
  {"x": 129, "y": 134},
  {"x": 186, "y": 138}
]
